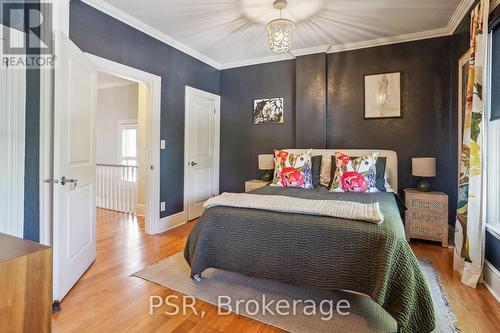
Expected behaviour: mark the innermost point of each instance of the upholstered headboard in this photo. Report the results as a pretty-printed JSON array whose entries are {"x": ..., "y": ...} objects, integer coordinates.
[{"x": 391, "y": 165}]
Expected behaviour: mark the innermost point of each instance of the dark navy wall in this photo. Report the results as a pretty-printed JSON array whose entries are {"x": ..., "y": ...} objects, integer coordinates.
[
  {"x": 32, "y": 153},
  {"x": 241, "y": 140},
  {"x": 423, "y": 129},
  {"x": 32, "y": 159},
  {"x": 310, "y": 101},
  {"x": 492, "y": 250},
  {"x": 18, "y": 25},
  {"x": 104, "y": 36}
]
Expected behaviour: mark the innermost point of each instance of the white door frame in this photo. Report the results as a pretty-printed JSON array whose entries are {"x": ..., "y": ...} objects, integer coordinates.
[
  {"x": 60, "y": 23},
  {"x": 187, "y": 139},
  {"x": 152, "y": 199}
]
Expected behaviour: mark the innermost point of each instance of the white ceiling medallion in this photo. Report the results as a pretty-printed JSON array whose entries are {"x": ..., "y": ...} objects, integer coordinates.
[{"x": 280, "y": 31}]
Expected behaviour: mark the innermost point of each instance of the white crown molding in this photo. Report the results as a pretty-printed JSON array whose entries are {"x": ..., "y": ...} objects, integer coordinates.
[
  {"x": 458, "y": 15},
  {"x": 141, "y": 26},
  {"x": 310, "y": 50},
  {"x": 454, "y": 21},
  {"x": 292, "y": 54},
  {"x": 257, "y": 61},
  {"x": 456, "y": 18},
  {"x": 389, "y": 40}
]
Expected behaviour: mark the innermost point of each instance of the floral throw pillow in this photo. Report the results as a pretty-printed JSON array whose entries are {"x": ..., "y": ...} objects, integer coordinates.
[
  {"x": 292, "y": 170},
  {"x": 355, "y": 174}
]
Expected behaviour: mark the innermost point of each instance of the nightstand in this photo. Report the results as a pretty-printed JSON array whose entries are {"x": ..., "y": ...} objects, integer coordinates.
[
  {"x": 427, "y": 216},
  {"x": 254, "y": 184}
]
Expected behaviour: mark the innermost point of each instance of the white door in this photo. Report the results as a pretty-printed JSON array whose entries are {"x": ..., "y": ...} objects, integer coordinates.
[
  {"x": 202, "y": 149},
  {"x": 74, "y": 166}
]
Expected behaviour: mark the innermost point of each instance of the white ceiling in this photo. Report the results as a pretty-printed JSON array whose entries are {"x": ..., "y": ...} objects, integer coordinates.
[{"x": 229, "y": 33}]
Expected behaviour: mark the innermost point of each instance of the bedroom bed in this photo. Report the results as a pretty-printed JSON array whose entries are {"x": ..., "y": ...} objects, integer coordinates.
[{"x": 320, "y": 251}]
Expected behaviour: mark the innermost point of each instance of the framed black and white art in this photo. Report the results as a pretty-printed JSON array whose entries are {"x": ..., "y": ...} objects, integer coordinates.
[
  {"x": 383, "y": 95},
  {"x": 268, "y": 111}
]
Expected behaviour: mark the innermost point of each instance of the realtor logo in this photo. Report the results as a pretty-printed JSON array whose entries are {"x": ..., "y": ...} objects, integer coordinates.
[{"x": 26, "y": 34}]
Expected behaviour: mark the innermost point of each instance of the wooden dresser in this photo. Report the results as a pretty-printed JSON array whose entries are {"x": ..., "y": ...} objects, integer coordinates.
[
  {"x": 427, "y": 216},
  {"x": 25, "y": 285}
]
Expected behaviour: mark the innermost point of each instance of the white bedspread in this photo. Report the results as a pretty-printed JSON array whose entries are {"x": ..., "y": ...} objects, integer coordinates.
[{"x": 278, "y": 203}]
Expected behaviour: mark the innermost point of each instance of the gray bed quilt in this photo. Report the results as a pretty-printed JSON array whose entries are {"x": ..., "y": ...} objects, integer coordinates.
[{"x": 318, "y": 251}]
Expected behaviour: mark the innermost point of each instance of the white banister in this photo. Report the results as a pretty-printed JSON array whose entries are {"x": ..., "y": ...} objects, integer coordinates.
[{"x": 116, "y": 187}]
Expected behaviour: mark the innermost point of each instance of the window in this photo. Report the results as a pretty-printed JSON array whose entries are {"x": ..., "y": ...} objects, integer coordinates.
[
  {"x": 128, "y": 143},
  {"x": 493, "y": 133}
]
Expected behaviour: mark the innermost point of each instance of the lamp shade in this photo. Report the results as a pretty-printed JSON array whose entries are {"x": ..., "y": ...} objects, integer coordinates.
[
  {"x": 423, "y": 166},
  {"x": 280, "y": 34},
  {"x": 266, "y": 162}
]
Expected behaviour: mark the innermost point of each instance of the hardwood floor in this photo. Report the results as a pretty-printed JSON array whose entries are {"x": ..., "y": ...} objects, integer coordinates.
[{"x": 108, "y": 299}]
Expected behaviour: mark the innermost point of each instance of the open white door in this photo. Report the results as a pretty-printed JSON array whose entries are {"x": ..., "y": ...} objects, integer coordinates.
[
  {"x": 201, "y": 149},
  {"x": 74, "y": 166}
]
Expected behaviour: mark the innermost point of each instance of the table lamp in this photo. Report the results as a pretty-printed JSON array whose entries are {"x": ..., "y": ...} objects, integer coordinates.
[
  {"x": 423, "y": 167},
  {"x": 266, "y": 164}
]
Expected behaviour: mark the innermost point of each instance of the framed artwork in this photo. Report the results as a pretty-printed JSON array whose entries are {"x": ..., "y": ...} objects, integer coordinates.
[
  {"x": 383, "y": 95},
  {"x": 268, "y": 111},
  {"x": 463, "y": 76}
]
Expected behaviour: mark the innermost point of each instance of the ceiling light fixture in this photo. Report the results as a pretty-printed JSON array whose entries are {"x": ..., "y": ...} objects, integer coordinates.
[{"x": 280, "y": 31}]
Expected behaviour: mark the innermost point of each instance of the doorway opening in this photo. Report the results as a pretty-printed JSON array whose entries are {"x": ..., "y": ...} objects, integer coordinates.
[
  {"x": 120, "y": 145},
  {"x": 146, "y": 131}
]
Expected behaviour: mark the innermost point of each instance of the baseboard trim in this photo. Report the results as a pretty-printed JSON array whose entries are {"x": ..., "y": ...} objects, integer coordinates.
[
  {"x": 140, "y": 210},
  {"x": 171, "y": 221},
  {"x": 491, "y": 279}
]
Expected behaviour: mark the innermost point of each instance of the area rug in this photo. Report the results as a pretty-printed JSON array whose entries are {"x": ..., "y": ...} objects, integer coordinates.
[{"x": 253, "y": 294}]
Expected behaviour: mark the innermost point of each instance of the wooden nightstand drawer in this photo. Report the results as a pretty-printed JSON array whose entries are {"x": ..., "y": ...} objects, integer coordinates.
[
  {"x": 427, "y": 216},
  {"x": 424, "y": 231},
  {"x": 254, "y": 184},
  {"x": 427, "y": 202}
]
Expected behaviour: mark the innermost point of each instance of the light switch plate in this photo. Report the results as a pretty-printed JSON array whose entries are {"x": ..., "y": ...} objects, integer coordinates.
[
  {"x": 162, "y": 144},
  {"x": 162, "y": 206}
]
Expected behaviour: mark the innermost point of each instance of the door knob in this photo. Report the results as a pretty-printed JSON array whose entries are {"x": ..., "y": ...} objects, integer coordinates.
[
  {"x": 193, "y": 163},
  {"x": 65, "y": 180}
]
